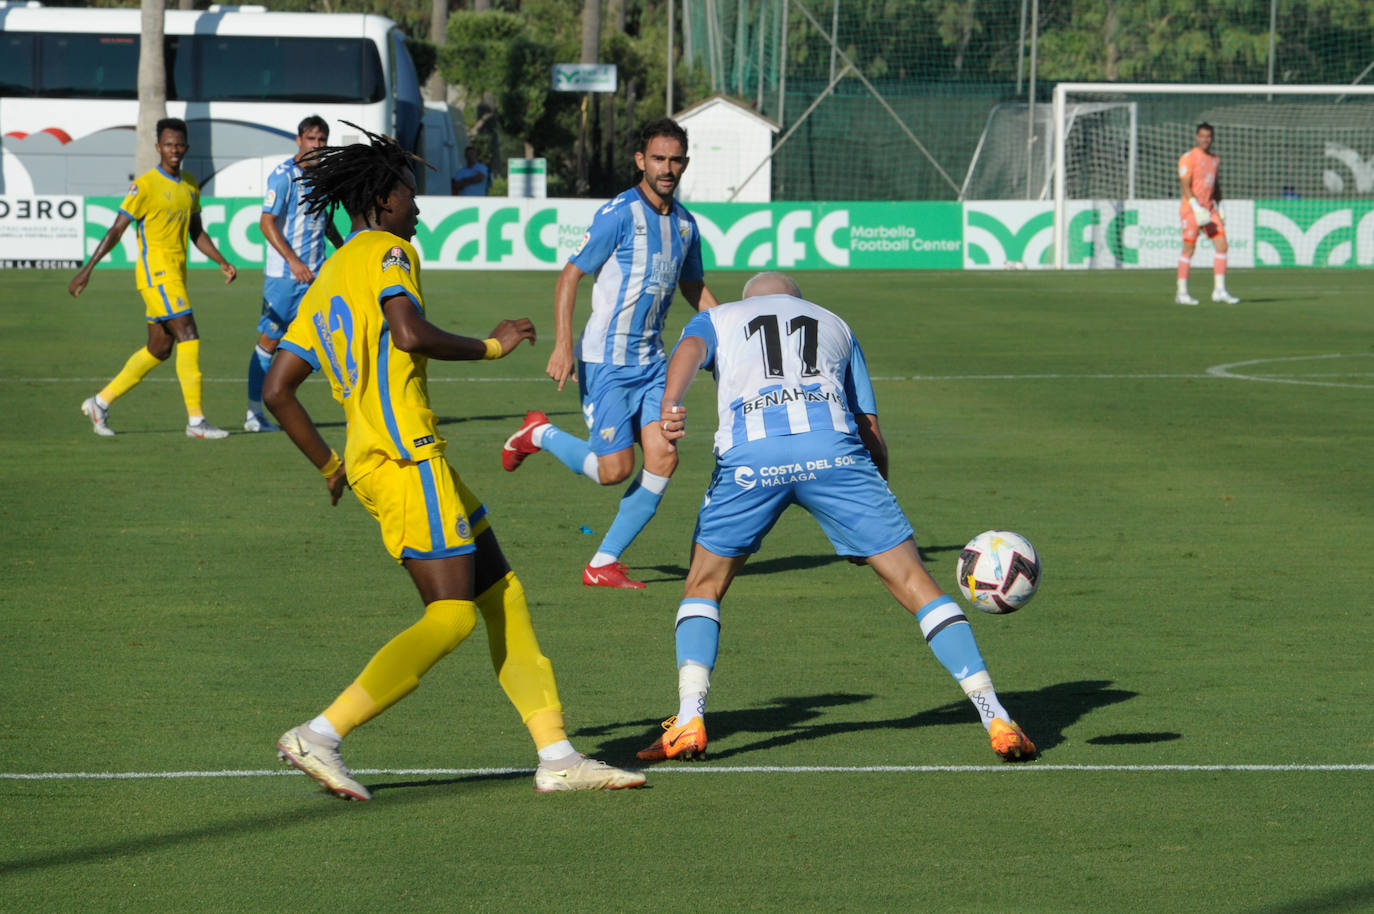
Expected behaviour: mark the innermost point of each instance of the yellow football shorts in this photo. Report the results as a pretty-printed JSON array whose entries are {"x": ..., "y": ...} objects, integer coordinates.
[
  {"x": 165, "y": 301},
  {"x": 425, "y": 510}
]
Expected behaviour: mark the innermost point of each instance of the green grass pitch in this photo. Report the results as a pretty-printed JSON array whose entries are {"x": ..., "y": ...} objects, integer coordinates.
[{"x": 1195, "y": 668}]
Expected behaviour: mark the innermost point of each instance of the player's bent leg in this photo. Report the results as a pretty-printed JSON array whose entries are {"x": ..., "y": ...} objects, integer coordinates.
[
  {"x": 255, "y": 419},
  {"x": 526, "y": 676},
  {"x": 905, "y": 576},
  {"x": 637, "y": 507},
  {"x": 135, "y": 368},
  {"x": 696, "y": 635},
  {"x": 523, "y": 671},
  {"x": 395, "y": 670},
  {"x": 950, "y": 638},
  {"x": 615, "y": 467}
]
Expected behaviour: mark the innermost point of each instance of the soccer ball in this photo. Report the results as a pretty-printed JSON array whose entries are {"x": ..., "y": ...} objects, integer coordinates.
[{"x": 998, "y": 571}]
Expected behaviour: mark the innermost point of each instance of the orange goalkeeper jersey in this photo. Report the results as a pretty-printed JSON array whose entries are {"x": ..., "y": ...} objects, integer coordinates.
[{"x": 1200, "y": 168}]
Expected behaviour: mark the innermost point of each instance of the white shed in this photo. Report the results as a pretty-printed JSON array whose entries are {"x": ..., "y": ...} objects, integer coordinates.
[{"x": 727, "y": 142}]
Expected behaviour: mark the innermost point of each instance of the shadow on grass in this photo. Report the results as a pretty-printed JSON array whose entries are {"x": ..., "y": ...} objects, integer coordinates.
[
  {"x": 513, "y": 418},
  {"x": 1044, "y": 713},
  {"x": 1356, "y": 897},
  {"x": 317, "y": 808},
  {"x": 786, "y": 563},
  {"x": 782, "y": 563}
]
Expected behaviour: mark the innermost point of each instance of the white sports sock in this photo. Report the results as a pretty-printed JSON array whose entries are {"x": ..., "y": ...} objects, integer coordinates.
[
  {"x": 979, "y": 690},
  {"x": 602, "y": 559},
  {"x": 693, "y": 684},
  {"x": 560, "y": 752},
  {"x": 322, "y": 728}
]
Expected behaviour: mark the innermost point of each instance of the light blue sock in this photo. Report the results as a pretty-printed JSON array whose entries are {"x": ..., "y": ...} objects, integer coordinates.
[
  {"x": 950, "y": 637},
  {"x": 637, "y": 508},
  {"x": 258, "y": 363},
  {"x": 570, "y": 450},
  {"x": 698, "y": 632}
]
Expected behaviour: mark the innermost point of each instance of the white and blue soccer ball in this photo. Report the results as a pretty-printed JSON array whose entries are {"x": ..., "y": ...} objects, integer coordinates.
[{"x": 998, "y": 571}]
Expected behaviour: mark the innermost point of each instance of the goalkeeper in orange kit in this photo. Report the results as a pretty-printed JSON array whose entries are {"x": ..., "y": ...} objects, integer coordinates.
[{"x": 1200, "y": 213}]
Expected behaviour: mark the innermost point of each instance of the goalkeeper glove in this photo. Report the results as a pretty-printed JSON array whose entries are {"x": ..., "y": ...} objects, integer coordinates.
[{"x": 1199, "y": 211}]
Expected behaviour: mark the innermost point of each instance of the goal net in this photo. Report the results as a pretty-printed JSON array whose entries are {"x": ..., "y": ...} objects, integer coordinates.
[
  {"x": 1015, "y": 160},
  {"x": 1296, "y": 164}
]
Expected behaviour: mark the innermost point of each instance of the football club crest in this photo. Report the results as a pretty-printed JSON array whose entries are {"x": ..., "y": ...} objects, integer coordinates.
[
  {"x": 462, "y": 527},
  {"x": 607, "y": 433},
  {"x": 396, "y": 257}
]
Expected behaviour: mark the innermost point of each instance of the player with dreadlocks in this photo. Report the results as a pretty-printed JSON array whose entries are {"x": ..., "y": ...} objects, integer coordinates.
[{"x": 362, "y": 324}]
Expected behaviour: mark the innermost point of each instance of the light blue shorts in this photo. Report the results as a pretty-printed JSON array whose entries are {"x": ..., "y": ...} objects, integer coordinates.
[
  {"x": 281, "y": 296},
  {"x": 830, "y": 474},
  {"x": 618, "y": 401}
]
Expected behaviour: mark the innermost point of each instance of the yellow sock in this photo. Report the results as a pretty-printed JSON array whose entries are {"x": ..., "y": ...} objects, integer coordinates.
[
  {"x": 524, "y": 672},
  {"x": 138, "y": 365},
  {"x": 394, "y": 671},
  {"x": 188, "y": 373}
]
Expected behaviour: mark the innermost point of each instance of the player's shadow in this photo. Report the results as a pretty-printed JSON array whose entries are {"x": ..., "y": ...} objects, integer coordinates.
[
  {"x": 790, "y": 563},
  {"x": 1044, "y": 713},
  {"x": 756, "y": 566},
  {"x": 512, "y": 419},
  {"x": 313, "y": 807},
  {"x": 929, "y": 553},
  {"x": 448, "y": 781},
  {"x": 1357, "y": 896}
]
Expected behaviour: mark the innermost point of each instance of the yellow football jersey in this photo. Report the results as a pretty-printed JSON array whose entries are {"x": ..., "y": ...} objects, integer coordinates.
[
  {"x": 161, "y": 207},
  {"x": 340, "y": 329}
]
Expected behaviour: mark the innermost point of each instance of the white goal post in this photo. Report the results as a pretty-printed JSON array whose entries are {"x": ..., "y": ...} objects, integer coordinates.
[{"x": 1269, "y": 110}]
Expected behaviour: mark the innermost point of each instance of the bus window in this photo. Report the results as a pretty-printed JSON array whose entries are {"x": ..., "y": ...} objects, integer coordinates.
[
  {"x": 321, "y": 70},
  {"x": 180, "y": 58},
  {"x": 88, "y": 66},
  {"x": 16, "y": 65}
]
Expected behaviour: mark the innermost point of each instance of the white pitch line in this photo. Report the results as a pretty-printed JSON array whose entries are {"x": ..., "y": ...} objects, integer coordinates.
[
  {"x": 480, "y": 380},
  {"x": 686, "y": 769}
]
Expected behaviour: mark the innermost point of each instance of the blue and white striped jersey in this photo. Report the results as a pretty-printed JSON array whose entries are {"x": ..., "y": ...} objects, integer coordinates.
[
  {"x": 303, "y": 232},
  {"x": 638, "y": 257},
  {"x": 783, "y": 366}
]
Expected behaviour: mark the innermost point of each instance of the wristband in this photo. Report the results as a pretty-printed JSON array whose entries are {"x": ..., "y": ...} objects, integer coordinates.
[
  {"x": 331, "y": 466},
  {"x": 493, "y": 349}
]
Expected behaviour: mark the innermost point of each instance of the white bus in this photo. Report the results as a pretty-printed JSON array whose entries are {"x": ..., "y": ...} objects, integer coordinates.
[{"x": 242, "y": 79}]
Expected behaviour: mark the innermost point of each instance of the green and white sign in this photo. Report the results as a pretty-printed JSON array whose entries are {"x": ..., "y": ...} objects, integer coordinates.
[
  {"x": 528, "y": 177},
  {"x": 820, "y": 236},
  {"x": 584, "y": 77},
  {"x": 515, "y": 233}
]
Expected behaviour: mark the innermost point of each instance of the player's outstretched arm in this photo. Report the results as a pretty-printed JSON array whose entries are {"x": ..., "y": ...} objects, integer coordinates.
[
  {"x": 562, "y": 365},
  {"x": 410, "y": 332},
  {"x": 107, "y": 243},
  {"x": 206, "y": 246},
  {"x": 284, "y": 378}
]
